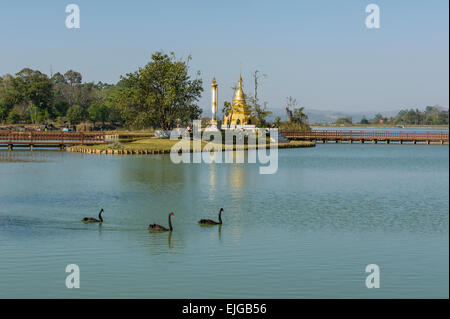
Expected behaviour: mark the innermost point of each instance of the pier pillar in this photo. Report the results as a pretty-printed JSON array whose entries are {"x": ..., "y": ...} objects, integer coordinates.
[
  {"x": 400, "y": 142},
  {"x": 374, "y": 141},
  {"x": 442, "y": 142},
  {"x": 61, "y": 147},
  {"x": 351, "y": 141},
  {"x": 10, "y": 147},
  {"x": 387, "y": 141},
  {"x": 428, "y": 142},
  {"x": 414, "y": 142},
  {"x": 361, "y": 141},
  {"x": 324, "y": 141},
  {"x": 31, "y": 147},
  {"x": 338, "y": 141}
]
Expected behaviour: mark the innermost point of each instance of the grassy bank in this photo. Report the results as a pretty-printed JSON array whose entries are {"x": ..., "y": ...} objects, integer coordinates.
[{"x": 160, "y": 146}]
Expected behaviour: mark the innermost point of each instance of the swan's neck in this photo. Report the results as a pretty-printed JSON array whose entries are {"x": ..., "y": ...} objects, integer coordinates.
[
  {"x": 220, "y": 217},
  {"x": 170, "y": 223},
  {"x": 100, "y": 216}
]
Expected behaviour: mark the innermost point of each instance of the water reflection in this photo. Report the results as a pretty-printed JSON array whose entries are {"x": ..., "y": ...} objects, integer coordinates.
[{"x": 169, "y": 238}]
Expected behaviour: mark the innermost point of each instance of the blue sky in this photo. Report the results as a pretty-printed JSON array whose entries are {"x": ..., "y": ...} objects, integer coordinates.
[{"x": 319, "y": 52}]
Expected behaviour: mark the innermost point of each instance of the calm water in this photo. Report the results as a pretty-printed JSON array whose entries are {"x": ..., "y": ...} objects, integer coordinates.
[{"x": 307, "y": 231}]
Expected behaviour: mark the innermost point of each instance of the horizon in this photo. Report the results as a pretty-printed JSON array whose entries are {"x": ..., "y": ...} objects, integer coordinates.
[{"x": 320, "y": 53}]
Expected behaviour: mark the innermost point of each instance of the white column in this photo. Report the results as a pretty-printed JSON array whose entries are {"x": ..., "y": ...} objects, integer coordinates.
[{"x": 213, "y": 102}]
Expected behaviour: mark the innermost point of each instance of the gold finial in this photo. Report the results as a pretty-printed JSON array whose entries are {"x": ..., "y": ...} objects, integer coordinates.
[
  {"x": 214, "y": 83},
  {"x": 239, "y": 95}
]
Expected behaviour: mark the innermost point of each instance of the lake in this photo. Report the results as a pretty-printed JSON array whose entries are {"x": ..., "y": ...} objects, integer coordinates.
[{"x": 307, "y": 231}]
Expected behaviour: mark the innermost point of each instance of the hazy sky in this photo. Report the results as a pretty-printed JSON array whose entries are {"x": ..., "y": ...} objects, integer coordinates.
[{"x": 318, "y": 51}]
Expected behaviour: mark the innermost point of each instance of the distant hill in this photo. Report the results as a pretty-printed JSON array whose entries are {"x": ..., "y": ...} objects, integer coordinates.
[{"x": 324, "y": 117}]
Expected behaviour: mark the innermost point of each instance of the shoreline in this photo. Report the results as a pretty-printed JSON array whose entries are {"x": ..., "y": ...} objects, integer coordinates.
[{"x": 140, "y": 148}]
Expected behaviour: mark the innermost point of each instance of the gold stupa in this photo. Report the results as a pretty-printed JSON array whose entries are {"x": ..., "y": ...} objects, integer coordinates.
[{"x": 240, "y": 111}]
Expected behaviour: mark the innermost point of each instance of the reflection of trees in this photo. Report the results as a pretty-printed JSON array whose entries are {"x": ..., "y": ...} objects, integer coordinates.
[{"x": 155, "y": 172}]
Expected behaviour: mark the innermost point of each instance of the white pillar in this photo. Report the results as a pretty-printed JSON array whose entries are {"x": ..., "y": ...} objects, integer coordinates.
[{"x": 214, "y": 99}]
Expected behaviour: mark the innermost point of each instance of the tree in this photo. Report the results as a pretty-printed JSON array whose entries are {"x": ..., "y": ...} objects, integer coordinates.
[
  {"x": 4, "y": 111},
  {"x": 344, "y": 120},
  {"x": 35, "y": 89},
  {"x": 160, "y": 94},
  {"x": 259, "y": 114},
  {"x": 378, "y": 118},
  {"x": 13, "y": 117},
  {"x": 72, "y": 77},
  {"x": 277, "y": 121},
  {"x": 227, "y": 110},
  {"x": 98, "y": 113},
  {"x": 75, "y": 114},
  {"x": 60, "y": 108},
  {"x": 364, "y": 120},
  {"x": 297, "y": 117}
]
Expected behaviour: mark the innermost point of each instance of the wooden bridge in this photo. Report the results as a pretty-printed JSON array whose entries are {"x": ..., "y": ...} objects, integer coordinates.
[
  {"x": 371, "y": 136},
  {"x": 12, "y": 139}
]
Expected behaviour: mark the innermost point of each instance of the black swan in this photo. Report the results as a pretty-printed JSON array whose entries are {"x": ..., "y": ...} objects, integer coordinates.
[
  {"x": 210, "y": 221},
  {"x": 94, "y": 220},
  {"x": 156, "y": 227}
]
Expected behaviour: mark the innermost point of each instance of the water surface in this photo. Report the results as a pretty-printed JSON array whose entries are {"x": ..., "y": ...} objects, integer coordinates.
[{"x": 307, "y": 231}]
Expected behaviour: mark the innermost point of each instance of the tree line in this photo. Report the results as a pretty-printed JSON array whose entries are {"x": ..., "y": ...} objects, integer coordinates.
[
  {"x": 432, "y": 115},
  {"x": 160, "y": 94}
]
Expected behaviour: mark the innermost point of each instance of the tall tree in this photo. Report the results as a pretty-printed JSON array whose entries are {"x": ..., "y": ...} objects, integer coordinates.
[
  {"x": 160, "y": 94},
  {"x": 34, "y": 89}
]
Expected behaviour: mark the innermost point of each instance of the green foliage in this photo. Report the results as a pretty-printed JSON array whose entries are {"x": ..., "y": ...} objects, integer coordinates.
[
  {"x": 161, "y": 94},
  {"x": 297, "y": 118},
  {"x": 4, "y": 111},
  {"x": 277, "y": 121},
  {"x": 344, "y": 120},
  {"x": 60, "y": 108},
  {"x": 76, "y": 114},
  {"x": 432, "y": 115},
  {"x": 364, "y": 120},
  {"x": 14, "y": 117},
  {"x": 259, "y": 114},
  {"x": 98, "y": 113}
]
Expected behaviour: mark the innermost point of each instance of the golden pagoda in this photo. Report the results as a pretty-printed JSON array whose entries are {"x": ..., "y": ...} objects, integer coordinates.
[{"x": 240, "y": 111}]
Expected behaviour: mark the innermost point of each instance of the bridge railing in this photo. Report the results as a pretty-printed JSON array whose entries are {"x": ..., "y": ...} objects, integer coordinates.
[
  {"x": 367, "y": 134},
  {"x": 52, "y": 137}
]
